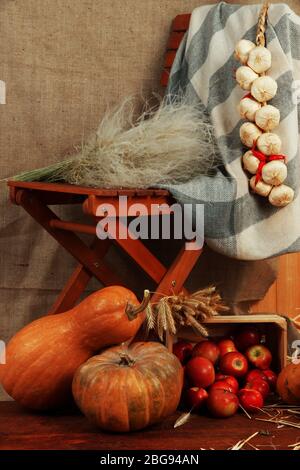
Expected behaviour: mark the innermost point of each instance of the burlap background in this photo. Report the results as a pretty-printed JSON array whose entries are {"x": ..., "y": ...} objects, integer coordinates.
[{"x": 63, "y": 62}]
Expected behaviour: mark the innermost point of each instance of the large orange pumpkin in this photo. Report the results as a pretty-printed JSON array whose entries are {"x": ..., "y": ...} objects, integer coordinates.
[
  {"x": 288, "y": 384},
  {"x": 42, "y": 358},
  {"x": 128, "y": 388}
]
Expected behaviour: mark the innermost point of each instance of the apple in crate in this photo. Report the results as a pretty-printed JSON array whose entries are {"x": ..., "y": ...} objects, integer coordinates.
[
  {"x": 183, "y": 350},
  {"x": 200, "y": 372},
  {"x": 226, "y": 345},
  {"x": 207, "y": 349},
  {"x": 256, "y": 374},
  {"x": 259, "y": 356},
  {"x": 260, "y": 385},
  {"x": 229, "y": 379},
  {"x": 222, "y": 404},
  {"x": 245, "y": 337},
  {"x": 196, "y": 397},
  {"x": 271, "y": 378},
  {"x": 222, "y": 385},
  {"x": 234, "y": 363}
]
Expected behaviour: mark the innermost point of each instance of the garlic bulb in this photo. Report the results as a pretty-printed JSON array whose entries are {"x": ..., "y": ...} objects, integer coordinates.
[
  {"x": 242, "y": 50},
  {"x": 281, "y": 196},
  {"x": 248, "y": 108},
  {"x": 260, "y": 187},
  {"x": 267, "y": 117},
  {"x": 274, "y": 172},
  {"x": 269, "y": 143},
  {"x": 250, "y": 162},
  {"x": 245, "y": 77},
  {"x": 249, "y": 133},
  {"x": 264, "y": 88},
  {"x": 260, "y": 59}
]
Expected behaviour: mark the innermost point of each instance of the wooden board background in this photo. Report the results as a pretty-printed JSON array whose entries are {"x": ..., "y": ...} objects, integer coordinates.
[{"x": 284, "y": 294}]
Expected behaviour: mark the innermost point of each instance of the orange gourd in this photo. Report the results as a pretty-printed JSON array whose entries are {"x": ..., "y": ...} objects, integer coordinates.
[
  {"x": 128, "y": 388},
  {"x": 288, "y": 384},
  {"x": 41, "y": 359}
]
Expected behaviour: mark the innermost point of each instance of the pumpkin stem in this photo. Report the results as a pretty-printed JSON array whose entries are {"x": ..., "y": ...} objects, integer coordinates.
[
  {"x": 126, "y": 360},
  {"x": 132, "y": 311}
]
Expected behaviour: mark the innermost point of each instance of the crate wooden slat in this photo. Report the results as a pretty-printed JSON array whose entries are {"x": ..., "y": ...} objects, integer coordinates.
[{"x": 273, "y": 326}]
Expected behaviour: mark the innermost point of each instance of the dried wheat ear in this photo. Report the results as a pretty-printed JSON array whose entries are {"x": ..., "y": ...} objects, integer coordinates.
[{"x": 170, "y": 313}]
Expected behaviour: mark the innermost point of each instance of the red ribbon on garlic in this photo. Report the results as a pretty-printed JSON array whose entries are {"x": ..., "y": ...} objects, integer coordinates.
[{"x": 263, "y": 159}]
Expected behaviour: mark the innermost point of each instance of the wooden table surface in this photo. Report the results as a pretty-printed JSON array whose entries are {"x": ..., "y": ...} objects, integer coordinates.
[{"x": 21, "y": 429}]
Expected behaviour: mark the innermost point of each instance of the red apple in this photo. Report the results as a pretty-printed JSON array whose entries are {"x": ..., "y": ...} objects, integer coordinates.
[
  {"x": 200, "y": 372},
  {"x": 247, "y": 336},
  {"x": 260, "y": 385},
  {"x": 234, "y": 363},
  {"x": 196, "y": 397},
  {"x": 225, "y": 346},
  {"x": 207, "y": 349},
  {"x": 221, "y": 385},
  {"x": 259, "y": 356},
  {"x": 229, "y": 379},
  {"x": 183, "y": 350},
  {"x": 271, "y": 378},
  {"x": 256, "y": 374},
  {"x": 222, "y": 403},
  {"x": 251, "y": 399}
]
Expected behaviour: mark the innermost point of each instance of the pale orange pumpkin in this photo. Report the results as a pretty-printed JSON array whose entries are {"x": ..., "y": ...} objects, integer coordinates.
[
  {"x": 288, "y": 384},
  {"x": 128, "y": 388},
  {"x": 41, "y": 359}
]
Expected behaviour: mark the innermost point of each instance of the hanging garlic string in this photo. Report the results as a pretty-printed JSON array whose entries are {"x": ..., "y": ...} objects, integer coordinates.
[{"x": 269, "y": 167}]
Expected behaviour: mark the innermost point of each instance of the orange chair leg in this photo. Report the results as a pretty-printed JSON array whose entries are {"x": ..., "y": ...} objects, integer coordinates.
[
  {"x": 77, "y": 282},
  {"x": 174, "y": 279}
]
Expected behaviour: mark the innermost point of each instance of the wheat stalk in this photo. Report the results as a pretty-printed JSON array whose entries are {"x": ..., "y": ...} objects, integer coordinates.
[{"x": 174, "y": 311}]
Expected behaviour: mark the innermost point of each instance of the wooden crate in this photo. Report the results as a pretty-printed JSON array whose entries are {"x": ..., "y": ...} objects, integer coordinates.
[{"x": 273, "y": 327}]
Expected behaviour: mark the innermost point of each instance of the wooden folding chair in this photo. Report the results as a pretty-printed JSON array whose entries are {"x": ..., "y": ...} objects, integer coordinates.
[{"x": 37, "y": 196}]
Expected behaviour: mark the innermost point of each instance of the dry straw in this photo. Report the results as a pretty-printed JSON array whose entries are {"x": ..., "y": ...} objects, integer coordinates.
[{"x": 166, "y": 145}]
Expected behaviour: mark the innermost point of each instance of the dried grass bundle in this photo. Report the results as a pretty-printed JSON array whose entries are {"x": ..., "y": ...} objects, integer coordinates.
[{"x": 166, "y": 145}]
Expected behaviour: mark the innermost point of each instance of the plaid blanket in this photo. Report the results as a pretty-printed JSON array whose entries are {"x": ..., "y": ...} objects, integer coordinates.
[{"x": 238, "y": 223}]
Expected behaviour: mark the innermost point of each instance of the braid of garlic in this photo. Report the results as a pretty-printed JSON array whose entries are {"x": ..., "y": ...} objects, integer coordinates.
[{"x": 266, "y": 164}]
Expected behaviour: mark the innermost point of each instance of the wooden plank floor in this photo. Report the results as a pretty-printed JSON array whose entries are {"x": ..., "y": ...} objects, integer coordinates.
[{"x": 20, "y": 429}]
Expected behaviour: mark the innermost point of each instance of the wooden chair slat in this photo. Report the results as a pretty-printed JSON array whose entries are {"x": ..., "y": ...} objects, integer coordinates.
[
  {"x": 80, "y": 190},
  {"x": 169, "y": 59},
  {"x": 164, "y": 79},
  {"x": 175, "y": 40},
  {"x": 127, "y": 192},
  {"x": 181, "y": 22},
  {"x": 179, "y": 27},
  {"x": 96, "y": 206},
  {"x": 145, "y": 192}
]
